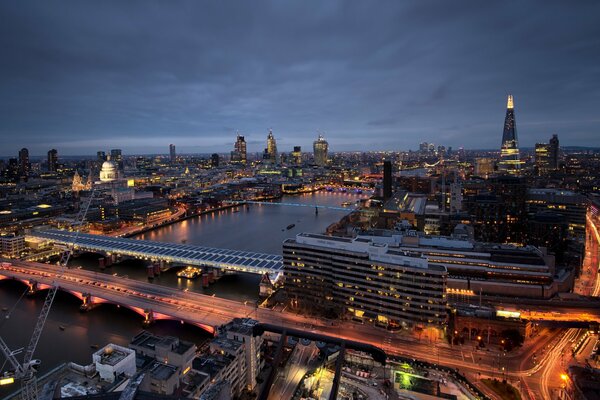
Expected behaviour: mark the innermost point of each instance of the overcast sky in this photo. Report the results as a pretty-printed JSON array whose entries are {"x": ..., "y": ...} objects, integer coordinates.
[{"x": 84, "y": 76}]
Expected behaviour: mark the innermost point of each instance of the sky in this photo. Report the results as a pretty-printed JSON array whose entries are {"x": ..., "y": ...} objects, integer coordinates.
[{"x": 83, "y": 76}]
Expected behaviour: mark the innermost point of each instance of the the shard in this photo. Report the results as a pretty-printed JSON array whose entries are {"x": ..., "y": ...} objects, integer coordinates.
[{"x": 509, "y": 153}]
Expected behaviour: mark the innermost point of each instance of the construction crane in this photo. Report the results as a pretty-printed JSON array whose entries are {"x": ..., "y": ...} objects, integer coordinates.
[{"x": 26, "y": 370}]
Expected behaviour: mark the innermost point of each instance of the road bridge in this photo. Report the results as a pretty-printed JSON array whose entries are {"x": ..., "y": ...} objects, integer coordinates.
[{"x": 245, "y": 261}]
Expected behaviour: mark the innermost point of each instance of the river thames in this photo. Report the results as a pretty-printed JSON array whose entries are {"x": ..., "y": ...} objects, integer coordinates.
[{"x": 260, "y": 228}]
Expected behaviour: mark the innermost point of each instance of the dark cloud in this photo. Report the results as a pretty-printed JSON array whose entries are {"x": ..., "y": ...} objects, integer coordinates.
[{"x": 82, "y": 76}]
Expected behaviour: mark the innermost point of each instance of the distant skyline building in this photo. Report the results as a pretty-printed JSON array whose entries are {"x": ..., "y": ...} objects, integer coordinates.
[
  {"x": 116, "y": 155},
  {"x": 271, "y": 150},
  {"x": 554, "y": 153},
  {"x": 172, "y": 154},
  {"x": 24, "y": 164},
  {"x": 52, "y": 160},
  {"x": 214, "y": 160},
  {"x": 239, "y": 153},
  {"x": 510, "y": 161},
  {"x": 297, "y": 155},
  {"x": 387, "y": 179},
  {"x": 542, "y": 158},
  {"x": 320, "y": 149}
]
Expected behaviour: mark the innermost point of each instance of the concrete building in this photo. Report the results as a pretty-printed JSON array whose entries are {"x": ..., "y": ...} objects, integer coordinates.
[
  {"x": 571, "y": 205},
  {"x": 171, "y": 359},
  {"x": 113, "y": 360},
  {"x": 365, "y": 280},
  {"x": 234, "y": 360},
  {"x": 12, "y": 245},
  {"x": 481, "y": 268}
]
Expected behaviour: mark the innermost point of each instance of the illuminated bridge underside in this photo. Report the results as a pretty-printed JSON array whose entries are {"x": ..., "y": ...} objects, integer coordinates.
[{"x": 246, "y": 261}]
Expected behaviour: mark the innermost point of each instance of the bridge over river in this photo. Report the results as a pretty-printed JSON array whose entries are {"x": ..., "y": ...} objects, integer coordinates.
[{"x": 245, "y": 261}]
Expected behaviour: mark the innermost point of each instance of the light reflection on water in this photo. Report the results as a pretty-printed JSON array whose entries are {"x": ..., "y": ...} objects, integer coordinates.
[{"x": 262, "y": 228}]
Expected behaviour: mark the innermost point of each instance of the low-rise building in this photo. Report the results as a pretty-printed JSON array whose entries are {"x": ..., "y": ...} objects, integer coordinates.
[{"x": 113, "y": 360}]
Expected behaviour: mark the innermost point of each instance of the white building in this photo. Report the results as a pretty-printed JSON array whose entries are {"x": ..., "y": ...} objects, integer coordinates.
[{"x": 113, "y": 360}]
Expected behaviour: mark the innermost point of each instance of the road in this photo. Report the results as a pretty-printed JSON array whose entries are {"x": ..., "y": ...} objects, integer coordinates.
[
  {"x": 209, "y": 312},
  {"x": 297, "y": 366}
]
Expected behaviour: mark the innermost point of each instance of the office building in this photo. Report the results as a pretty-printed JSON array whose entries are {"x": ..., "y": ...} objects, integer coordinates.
[
  {"x": 214, "y": 160},
  {"x": 297, "y": 155},
  {"x": 12, "y": 245},
  {"x": 171, "y": 359},
  {"x": 239, "y": 153},
  {"x": 387, "y": 179},
  {"x": 320, "y": 149},
  {"x": 361, "y": 279},
  {"x": 510, "y": 161},
  {"x": 117, "y": 156},
  {"x": 52, "y": 160},
  {"x": 542, "y": 158},
  {"x": 270, "y": 153},
  {"x": 484, "y": 167},
  {"x": 480, "y": 268},
  {"x": 24, "y": 165},
  {"x": 101, "y": 157},
  {"x": 554, "y": 153},
  {"x": 571, "y": 205},
  {"x": 172, "y": 154}
]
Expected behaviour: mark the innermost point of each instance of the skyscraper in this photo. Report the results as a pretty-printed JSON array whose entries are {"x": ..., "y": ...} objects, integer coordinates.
[
  {"x": 271, "y": 148},
  {"x": 387, "y": 179},
  {"x": 214, "y": 160},
  {"x": 297, "y": 155},
  {"x": 509, "y": 153},
  {"x": 320, "y": 148},
  {"x": 239, "y": 154},
  {"x": 52, "y": 160},
  {"x": 172, "y": 155},
  {"x": 24, "y": 165},
  {"x": 542, "y": 160},
  {"x": 117, "y": 157},
  {"x": 553, "y": 153}
]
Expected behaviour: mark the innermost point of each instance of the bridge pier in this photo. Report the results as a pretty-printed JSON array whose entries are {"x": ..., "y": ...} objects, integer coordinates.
[
  {"x": 156, "y": 266},
  {"x": 88, "y": 302},
  {"x": 148, "y": 318},
  {"x": 33, "y": 287},
  {"x": 150, "y": 271}
]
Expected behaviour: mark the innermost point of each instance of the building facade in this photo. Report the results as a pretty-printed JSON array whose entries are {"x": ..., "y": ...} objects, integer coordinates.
[
  {"x": 510, "y": 161},
  {"x": 360, "y": 279},
  {"x": 320, "y": 150}
]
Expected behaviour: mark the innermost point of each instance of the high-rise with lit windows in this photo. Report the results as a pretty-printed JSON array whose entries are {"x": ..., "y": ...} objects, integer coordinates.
[
  {"x": 510, "y": 161},
  {"x": 320, "y": 148}
]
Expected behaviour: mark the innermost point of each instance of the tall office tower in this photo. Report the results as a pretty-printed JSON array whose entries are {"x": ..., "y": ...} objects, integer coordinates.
[
  {"x": 214, "y": 160},
  {"x": 271, "y": 148},
  {"x": 24, "y": 165},
  {"x": 117, "y": 157},
  {"x": 510, "y": 162},
  {"x": 320, "y": 148},
  {"x": 297, "y": 155},
  {"x": 239, "y": 154},
  {"x": 52, "y": 160},
  {"x": 542, "y": 158},
  {"x": 553, "y": 153},
  {"x": 172, "y": 155},
  {"x": 387, "y": 179},
  {"x": 101, "y": 157}
]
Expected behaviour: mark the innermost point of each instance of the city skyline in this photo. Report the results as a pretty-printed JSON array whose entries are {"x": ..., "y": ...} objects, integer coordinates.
[{"x": 68, "y": 86}]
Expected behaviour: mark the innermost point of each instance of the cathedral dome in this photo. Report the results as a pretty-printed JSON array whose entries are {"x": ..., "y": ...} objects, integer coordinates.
[{"x": 108, "y": 172}]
